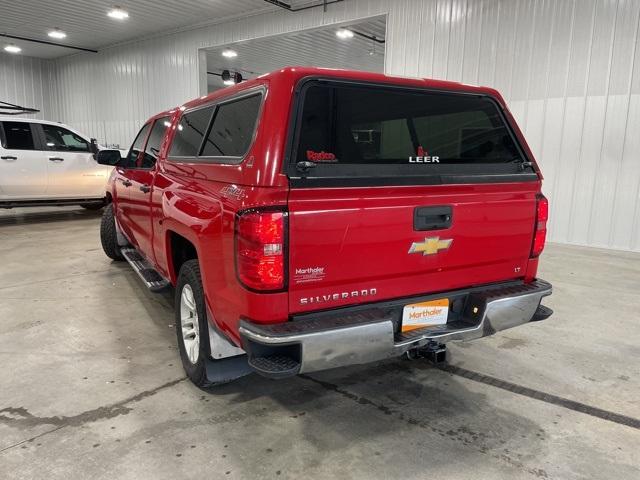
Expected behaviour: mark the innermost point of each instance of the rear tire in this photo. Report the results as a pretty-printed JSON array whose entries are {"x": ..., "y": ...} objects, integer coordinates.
[
  {"x": 108, "y": 235},
  {"x": 191, "y": 324}
]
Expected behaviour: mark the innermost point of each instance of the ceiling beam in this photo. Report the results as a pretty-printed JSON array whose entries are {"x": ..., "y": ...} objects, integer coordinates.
[
  {"x": 290, "y": 8},
  {"x": 45, "y": 42},
  {"x": 364, "y": 35}
]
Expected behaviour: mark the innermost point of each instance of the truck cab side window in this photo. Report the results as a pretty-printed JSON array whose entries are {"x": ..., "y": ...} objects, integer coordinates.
[
  {"x": 155, "y": 142},
  {"x": 137, "y": 147},
  {"x": 63, "y": 140},
  {"x": 18, "y": 136}
]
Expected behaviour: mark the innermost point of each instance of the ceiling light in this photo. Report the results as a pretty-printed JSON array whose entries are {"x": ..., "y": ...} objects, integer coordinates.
[
  {"x": 12, "y": 48},
  {"x": 57, "y": 33},
  {"x": 227, "y": 52},
  {"x": 118, "y": 13},
  {"x": 344, "y": 34}
]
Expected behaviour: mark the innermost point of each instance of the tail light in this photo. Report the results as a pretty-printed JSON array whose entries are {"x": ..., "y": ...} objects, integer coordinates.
[
  {"x": 540, "y": 235},
  {"x": 260, "y": 249}
]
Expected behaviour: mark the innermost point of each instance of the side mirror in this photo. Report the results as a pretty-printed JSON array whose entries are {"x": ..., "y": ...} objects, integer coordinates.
[
  {"x": 108, "y": 157},
  {"x": 93, "y": 146}
]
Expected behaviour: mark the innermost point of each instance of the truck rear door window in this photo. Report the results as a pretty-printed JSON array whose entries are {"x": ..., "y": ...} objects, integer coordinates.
[
  {"x": 366, "y": 130},
  {"x": 18, "y": 136}
]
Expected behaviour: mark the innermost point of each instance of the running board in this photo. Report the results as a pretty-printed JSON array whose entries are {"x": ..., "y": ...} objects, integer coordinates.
[
  {"x": 152, "y": 279},
  {"x": 51, "y": 202}
]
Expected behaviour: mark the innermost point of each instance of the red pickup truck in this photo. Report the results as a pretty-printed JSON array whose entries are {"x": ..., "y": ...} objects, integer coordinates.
[{"x": 313, "y": 218}]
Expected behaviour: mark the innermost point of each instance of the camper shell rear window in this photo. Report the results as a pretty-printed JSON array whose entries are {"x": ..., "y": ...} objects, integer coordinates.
[{"x": 348, "y": 130}]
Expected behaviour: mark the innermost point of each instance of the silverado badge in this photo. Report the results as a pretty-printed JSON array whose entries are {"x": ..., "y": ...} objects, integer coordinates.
[{"x": 430, "y": 246}]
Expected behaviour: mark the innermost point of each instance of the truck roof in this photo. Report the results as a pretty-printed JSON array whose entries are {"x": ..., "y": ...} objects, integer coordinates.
[
  {"x": 12, "y": 118},
  {"x": 293, "y": 74}
]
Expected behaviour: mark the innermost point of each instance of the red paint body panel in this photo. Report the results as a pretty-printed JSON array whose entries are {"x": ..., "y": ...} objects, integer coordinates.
[
  {"x": 365, "y": 235},
  {"x": 360, "y": 236}
]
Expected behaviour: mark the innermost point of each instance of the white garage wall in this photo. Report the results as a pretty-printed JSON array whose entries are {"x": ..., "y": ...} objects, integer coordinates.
[
  {"x": 112, "y": 92},
  {"x": 24, "y": 82},
  {"x": 570, "y": 71},
  {"x": 568, "y": 68}
]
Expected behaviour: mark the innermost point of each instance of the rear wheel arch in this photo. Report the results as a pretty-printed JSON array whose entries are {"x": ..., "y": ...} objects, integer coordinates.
[{"x": 179, "y": 250}]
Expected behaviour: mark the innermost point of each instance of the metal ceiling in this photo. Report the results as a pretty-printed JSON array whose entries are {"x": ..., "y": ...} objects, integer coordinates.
[
  {"x": 87, "y": 25},
  {"x": 319, "y": 48}
]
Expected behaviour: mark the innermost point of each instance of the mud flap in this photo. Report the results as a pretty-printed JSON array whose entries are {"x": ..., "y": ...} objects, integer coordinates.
[
  {"x": 227, "y": 369},
  {"x": 230, "y": 362}
]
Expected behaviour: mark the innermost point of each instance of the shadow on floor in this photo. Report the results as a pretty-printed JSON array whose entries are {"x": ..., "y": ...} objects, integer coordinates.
[{"x": 28, "y": 216}]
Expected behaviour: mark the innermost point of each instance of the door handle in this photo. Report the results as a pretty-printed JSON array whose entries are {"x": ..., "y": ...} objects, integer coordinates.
[
  {"x": 126, "y": 183},
  {"x": 9, "y": 157},
  {"x": 56, "y": 159},
  {"x": 432, "y": 218},
  {"x": 145, "y": 188}
]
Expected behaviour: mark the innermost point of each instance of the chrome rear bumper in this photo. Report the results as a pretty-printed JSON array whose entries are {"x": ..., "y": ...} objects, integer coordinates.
[{"x": 348, "y": 337}]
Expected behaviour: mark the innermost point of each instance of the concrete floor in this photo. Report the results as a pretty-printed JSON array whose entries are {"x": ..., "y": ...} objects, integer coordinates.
[{"x": 91, "y": 384}]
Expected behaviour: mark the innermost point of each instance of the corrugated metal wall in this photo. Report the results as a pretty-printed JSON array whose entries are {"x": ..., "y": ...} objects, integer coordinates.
[
  {"x": 24, "y": 81},
  {"x": 570, "y": 71},
  {"x": 112, "y": 92},
  {"x": 568, "y": 68}
]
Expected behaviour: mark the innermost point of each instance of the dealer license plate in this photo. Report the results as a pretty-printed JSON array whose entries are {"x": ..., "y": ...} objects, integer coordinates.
[{"x": 419, "y": 315}]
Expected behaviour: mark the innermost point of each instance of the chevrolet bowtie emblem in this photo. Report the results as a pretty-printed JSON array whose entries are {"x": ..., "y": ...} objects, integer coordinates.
[{"x": 430, "y": 246}]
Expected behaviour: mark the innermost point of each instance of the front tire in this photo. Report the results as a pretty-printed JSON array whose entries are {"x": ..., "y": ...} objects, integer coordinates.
[
  {"x": 191, "y": 324},
  {"x": 108, "y": 234}
]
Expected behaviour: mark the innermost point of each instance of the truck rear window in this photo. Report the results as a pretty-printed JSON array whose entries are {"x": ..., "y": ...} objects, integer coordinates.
[{"x": 362, "y": 130}]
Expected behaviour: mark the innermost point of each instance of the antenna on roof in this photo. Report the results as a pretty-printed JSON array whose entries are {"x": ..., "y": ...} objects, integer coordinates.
[{"x": 7, "y": 108}]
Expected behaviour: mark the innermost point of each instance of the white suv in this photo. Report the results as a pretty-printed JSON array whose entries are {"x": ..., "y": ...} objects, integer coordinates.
[{"x": 47, "y": 163}]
